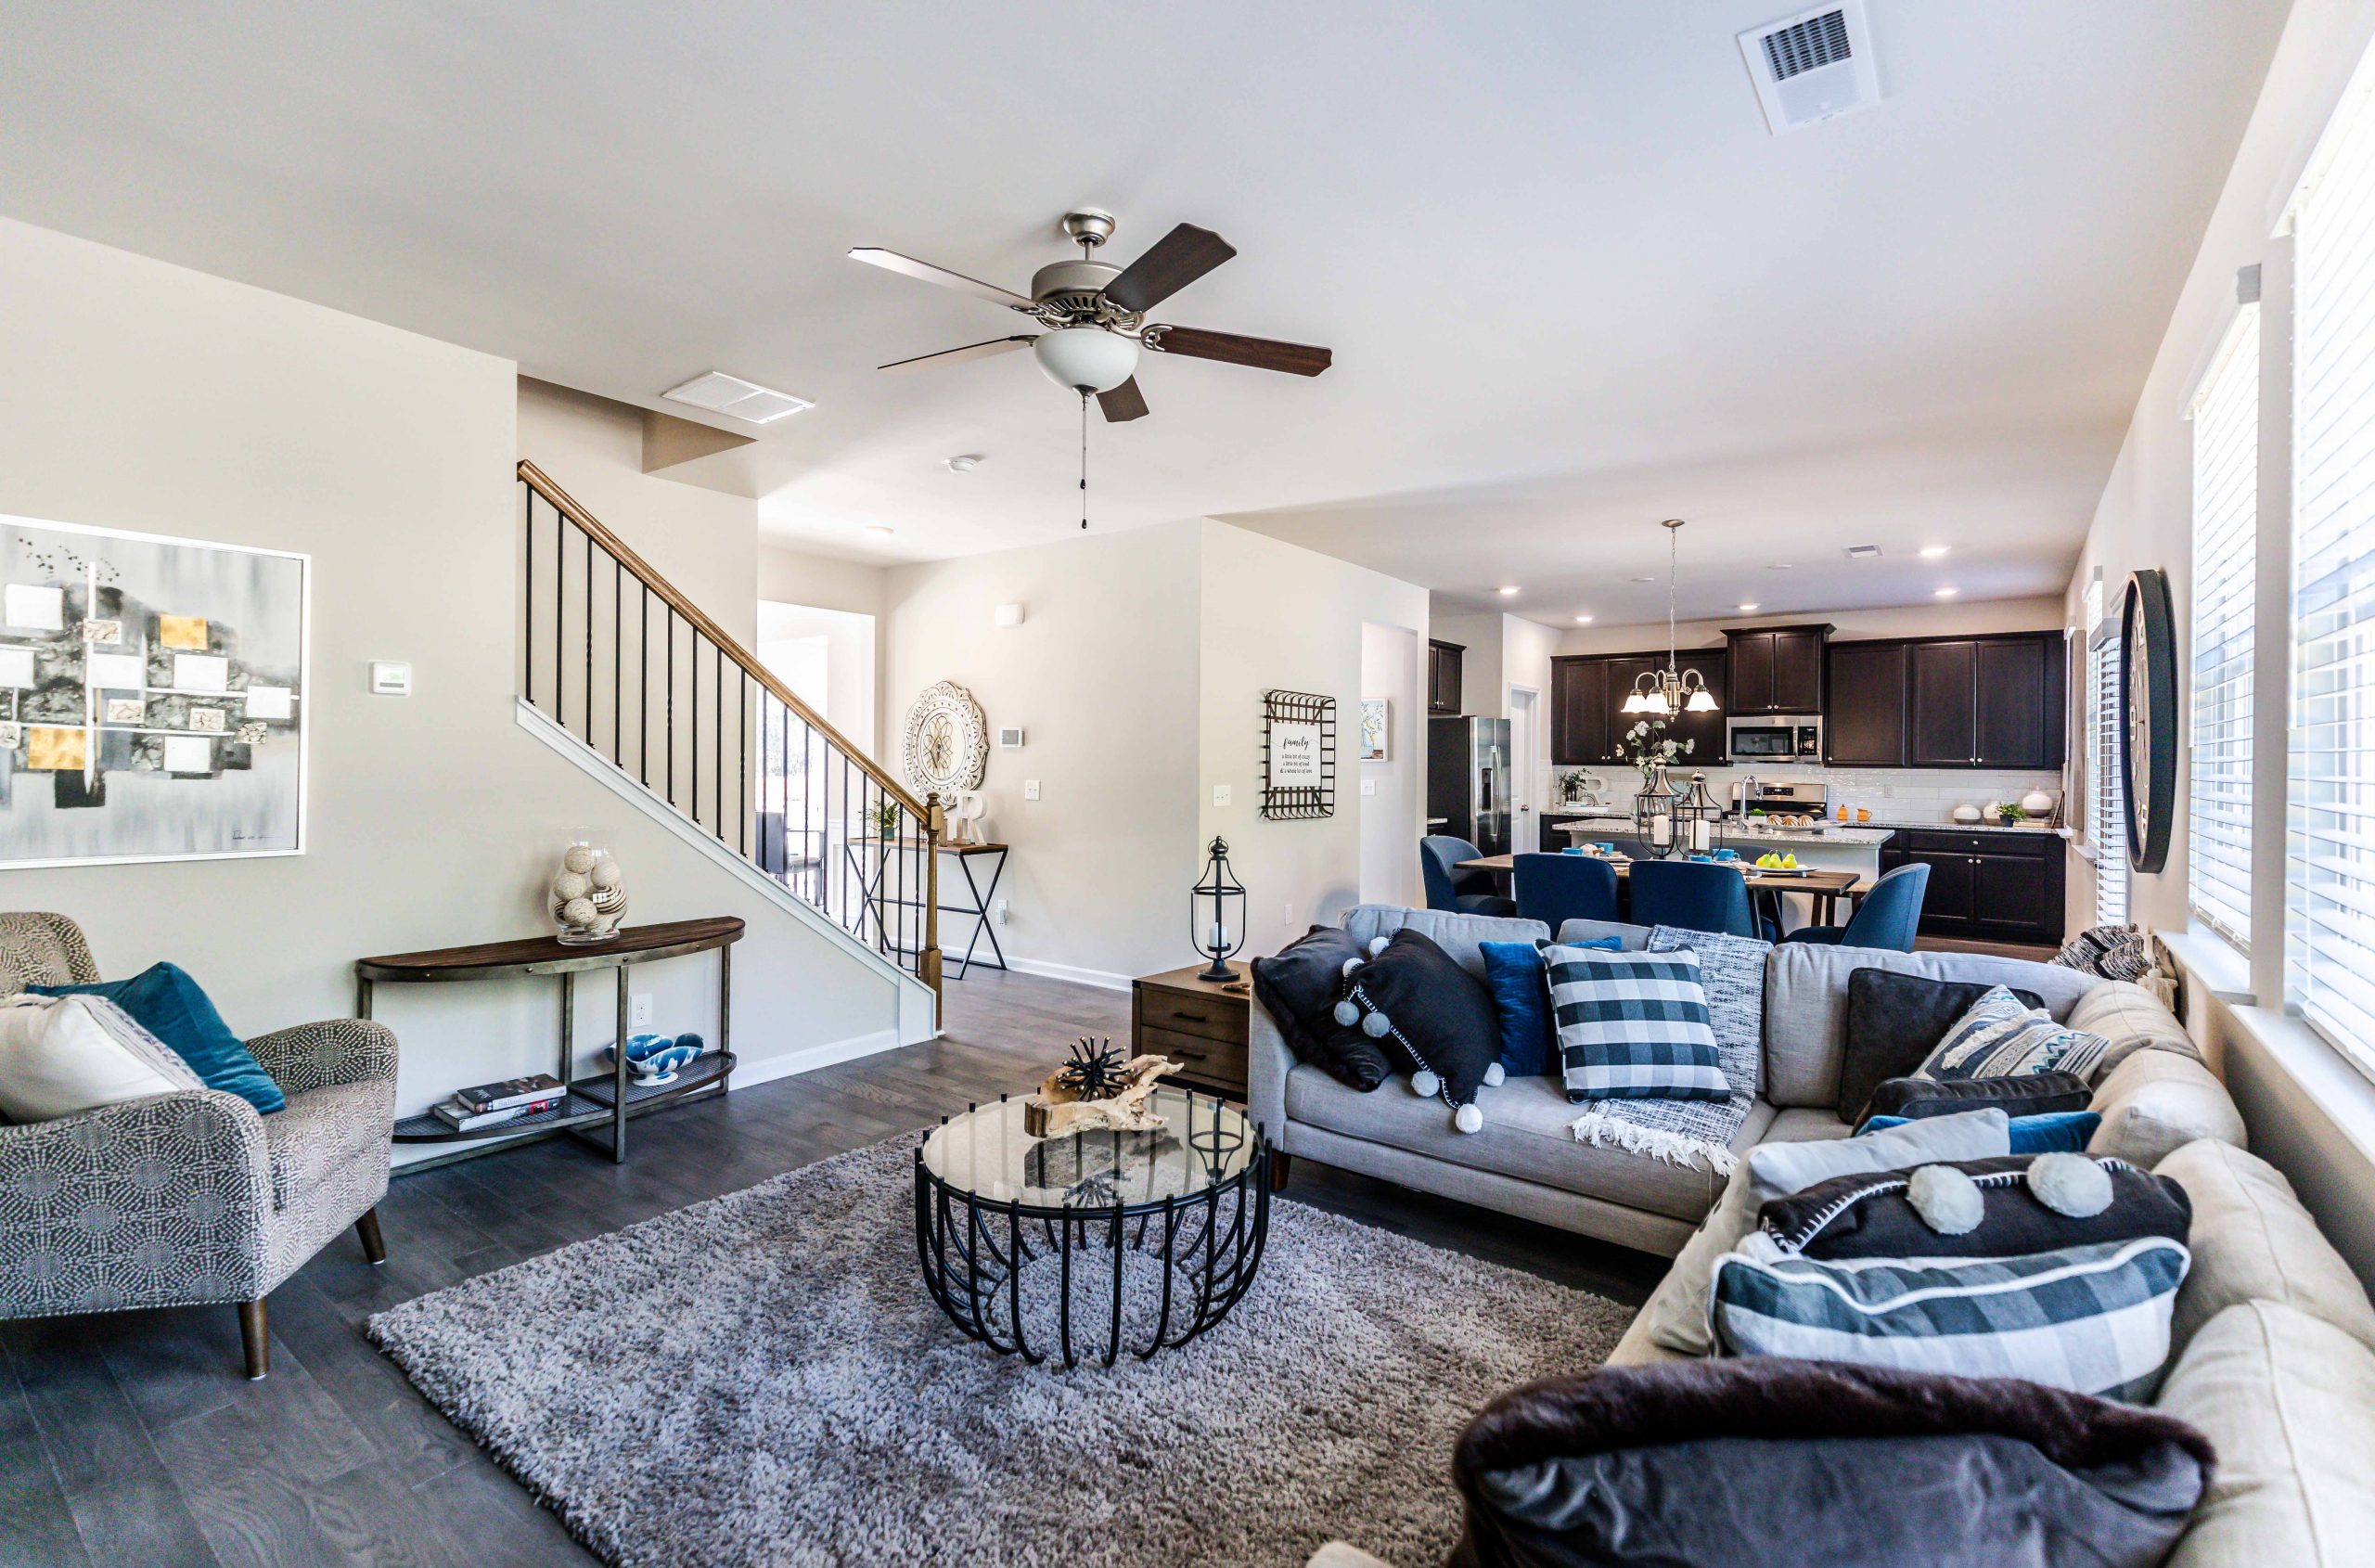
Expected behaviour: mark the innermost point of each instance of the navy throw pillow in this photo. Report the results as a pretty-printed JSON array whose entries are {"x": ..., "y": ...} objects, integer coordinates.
[
  {"x": 1299, "y": 987},
  {"x": 1519, "y": 980},
  {"x": 169, "y": 1005},
  {"x": 2055, "y": 1132}
]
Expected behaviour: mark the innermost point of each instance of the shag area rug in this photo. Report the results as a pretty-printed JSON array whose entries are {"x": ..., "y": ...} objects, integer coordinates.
[{"x": 761, "y": 1379}]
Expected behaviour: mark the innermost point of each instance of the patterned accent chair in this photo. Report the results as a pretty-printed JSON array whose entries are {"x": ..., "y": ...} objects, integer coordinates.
[{"x": 191, "y": 1197}]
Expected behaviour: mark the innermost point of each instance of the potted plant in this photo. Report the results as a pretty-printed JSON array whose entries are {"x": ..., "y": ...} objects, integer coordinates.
[{"x": 2007, "y": 812}]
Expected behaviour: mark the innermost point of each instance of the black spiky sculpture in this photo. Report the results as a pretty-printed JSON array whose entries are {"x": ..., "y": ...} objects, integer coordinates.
[{"x": 1095, "y": 1071}]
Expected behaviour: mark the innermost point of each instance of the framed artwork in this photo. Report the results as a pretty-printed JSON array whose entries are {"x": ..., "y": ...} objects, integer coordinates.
[
  {"x": 151, "y": 697},
  {"x": 1298, "y": 754},
  {"x": 1376, "y": 728}
]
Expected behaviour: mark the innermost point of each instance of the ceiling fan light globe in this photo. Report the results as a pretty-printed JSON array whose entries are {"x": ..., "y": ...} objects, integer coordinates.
[{"x": 1076, "y": 357}]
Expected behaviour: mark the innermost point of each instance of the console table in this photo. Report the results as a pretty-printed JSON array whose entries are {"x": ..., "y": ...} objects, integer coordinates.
[{"x": 609, "y": 1097}]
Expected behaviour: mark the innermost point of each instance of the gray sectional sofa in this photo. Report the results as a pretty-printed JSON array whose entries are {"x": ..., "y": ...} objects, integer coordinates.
[{"x": 2273, "y": 1342}]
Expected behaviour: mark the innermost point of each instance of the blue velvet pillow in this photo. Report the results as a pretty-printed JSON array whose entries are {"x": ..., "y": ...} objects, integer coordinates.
[
  {"x": 169, "y": 1005},
  {"x": 1516, "y": 975},
  {"x": 2053, "y": 1132}
]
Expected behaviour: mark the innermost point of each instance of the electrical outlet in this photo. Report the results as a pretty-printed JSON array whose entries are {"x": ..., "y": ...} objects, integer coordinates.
[
  {"x": 1369, "y": 786},
  {"x": 1031, "y": 789},
  {"x": 1220, "y": 794},
  {"x": 639, "y": 1009},
  {"x": 997, "y": 911}
]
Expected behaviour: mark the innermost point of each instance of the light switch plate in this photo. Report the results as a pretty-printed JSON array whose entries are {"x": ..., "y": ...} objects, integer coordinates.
[
  {"x": 1031, "y": 789},
  {"x": 1369, "y": 786},
  {"x": 391, "y": 678},
  {"x": 1220, "y": 794}
]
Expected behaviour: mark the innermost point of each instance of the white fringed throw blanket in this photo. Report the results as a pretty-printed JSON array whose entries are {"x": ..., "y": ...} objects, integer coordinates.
[{"x": 1697, "y": 1132}]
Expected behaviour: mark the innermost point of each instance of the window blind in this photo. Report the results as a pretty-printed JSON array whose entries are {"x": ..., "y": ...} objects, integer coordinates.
[
  {"x": 2109, "y": 812},
  {"x": 2330, "y": 837},
  {"x": 2226, "y": 538}
]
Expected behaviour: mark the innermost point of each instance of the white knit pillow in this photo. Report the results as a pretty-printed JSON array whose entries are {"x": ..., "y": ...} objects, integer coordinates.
[{"x": 60, "y": 1055}]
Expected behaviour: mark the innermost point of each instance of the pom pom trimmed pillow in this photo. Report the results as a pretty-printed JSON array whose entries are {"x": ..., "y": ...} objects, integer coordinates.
[{"x": 1432, "y": 1015}]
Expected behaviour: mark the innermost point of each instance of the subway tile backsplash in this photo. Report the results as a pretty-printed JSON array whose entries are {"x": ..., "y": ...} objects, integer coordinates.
[{"x": 1910, "y": 796}]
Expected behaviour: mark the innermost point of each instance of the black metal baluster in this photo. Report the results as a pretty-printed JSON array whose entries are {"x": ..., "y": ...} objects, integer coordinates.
[
  {"x": 742, "y": 781},
  {"x": 717, "y": 735},
  {"x": 561, "y": 584},
  {"x": 527, "y": 626},
  {"x": 668, "y": 728},
  {"x": 618, "y": 657},
  {"x": 588, "y": 698}
]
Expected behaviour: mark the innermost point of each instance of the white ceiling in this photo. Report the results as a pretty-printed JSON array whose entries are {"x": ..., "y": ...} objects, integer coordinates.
[{"x": 1573, "y": 283}]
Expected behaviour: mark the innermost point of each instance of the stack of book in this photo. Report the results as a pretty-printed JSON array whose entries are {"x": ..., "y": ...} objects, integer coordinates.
[{"x": 487, "y": 1105}]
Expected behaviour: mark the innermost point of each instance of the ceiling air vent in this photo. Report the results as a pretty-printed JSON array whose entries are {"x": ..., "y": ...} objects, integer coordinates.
[
  {"x": 1862, "y": 552},
  {"x": 722, "y": 393},
  {"x": 1817, "y": 65}
]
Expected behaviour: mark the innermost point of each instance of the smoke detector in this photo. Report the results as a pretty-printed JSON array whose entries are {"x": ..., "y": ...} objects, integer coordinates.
[
  {"x": 1817, "y": 65},
  {"x": 722, "y": 393}
]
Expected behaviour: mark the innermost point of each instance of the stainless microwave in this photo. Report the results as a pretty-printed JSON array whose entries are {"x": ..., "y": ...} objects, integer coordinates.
[{"x": 1775, "y": 737}]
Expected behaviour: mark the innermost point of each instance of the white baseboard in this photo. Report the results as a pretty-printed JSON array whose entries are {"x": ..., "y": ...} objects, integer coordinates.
[
  {"x": 807, "y": 1060},
  {"x": 1104, "y": 979}
]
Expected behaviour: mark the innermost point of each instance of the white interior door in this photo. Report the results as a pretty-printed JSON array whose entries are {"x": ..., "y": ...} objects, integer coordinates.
[{"x": 1525, "y": 834}]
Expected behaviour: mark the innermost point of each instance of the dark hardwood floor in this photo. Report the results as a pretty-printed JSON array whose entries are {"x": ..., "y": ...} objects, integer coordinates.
[{"x": 132, "y": 1439}]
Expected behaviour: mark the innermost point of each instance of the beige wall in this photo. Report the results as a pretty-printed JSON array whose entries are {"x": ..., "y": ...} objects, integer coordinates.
[
  {"x": 2308, "y": 1112},
  {"x": 1279, "y": 616},
  {"x": 1389, "y": 794},
  {"x": 821, "y": 581},
  {"x": 141, "y": 397},
  {"x": 1101, "y": 676}
]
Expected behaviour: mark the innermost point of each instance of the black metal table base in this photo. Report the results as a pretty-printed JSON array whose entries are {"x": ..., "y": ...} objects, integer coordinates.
[{"x": 1187, "y": 1259}]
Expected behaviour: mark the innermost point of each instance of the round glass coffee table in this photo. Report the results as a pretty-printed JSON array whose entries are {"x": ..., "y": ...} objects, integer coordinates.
[{"x": 1080, "y": 1245}]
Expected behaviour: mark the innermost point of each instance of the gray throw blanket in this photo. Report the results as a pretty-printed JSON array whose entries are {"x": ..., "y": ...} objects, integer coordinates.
[
  {"x": 1697, "y": 1132},
  {"x": 1769, "y": 1462}
]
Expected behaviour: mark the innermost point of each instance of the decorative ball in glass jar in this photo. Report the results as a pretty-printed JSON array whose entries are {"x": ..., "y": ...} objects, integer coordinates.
[{"x": 588, "y": 894}]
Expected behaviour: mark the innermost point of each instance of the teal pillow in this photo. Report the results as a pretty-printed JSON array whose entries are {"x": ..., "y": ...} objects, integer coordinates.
[
  {"x": 2053, "y": 1132},
  {"x": 1520, "y": 983},
  {"x": 169, "y": 1005}
]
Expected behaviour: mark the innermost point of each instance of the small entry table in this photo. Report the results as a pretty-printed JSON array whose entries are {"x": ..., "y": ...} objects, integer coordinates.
[
  {"x": 885, "y": 898},
  {"x": 609, "y": 1097}
]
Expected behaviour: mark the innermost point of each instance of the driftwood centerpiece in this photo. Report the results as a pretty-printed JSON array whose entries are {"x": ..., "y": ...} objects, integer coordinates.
[{"x": 1097, "y": 1092}]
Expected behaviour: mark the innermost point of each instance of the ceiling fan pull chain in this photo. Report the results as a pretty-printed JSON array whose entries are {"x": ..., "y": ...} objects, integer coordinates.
[{"x": 1083, "y": 457}]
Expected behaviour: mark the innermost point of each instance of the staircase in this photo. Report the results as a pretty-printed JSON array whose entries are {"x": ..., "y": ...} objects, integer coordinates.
[{"x": 620, "y": 666}]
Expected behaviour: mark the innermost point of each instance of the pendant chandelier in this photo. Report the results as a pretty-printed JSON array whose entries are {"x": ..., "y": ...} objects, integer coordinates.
[{"x": 1663, "y": 692}]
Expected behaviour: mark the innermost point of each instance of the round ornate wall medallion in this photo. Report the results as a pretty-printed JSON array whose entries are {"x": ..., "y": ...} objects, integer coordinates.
[{"x": 948, "y": 742}]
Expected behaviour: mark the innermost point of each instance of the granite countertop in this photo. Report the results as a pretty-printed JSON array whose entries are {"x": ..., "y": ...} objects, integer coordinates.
[{"x": 1964, "y": 828}]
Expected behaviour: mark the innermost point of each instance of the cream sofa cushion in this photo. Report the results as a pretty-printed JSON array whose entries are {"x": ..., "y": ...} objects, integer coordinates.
[
  {"x": 2289, "y": 1401},
  {"x": 61, "y": 1055},
  {"x": 2132, "y": 1019},
  {"x": 2157, "y": 1102},
  {"x": 2252, "y": 1241}
]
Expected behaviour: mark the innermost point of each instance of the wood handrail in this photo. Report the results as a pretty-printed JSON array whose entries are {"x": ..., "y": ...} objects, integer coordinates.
[{"x": 617, "y": 549}]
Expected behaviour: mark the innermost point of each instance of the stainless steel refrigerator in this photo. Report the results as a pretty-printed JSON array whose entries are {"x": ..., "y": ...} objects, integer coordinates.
[{"x": 1467, "y": 780}]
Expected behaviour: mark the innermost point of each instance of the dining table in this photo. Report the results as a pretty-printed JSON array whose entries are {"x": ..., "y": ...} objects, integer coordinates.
[{"x": 1827, "y": 888}]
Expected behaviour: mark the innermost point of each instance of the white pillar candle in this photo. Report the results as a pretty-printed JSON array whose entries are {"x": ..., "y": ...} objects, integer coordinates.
[
  {"x": 1698, "y": 835},
  {"x": 1662, "y": 829}
]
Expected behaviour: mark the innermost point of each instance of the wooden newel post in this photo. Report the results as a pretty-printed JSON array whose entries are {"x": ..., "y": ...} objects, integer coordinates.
[{"x": 927, "y": 961}]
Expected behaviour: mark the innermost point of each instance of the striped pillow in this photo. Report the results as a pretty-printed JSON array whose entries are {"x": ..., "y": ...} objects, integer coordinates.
[
  {"x": 1633, "y": 1025},
  {"x": 1999, "y": 1038},
  {"x": 2093, "y": 1319}
]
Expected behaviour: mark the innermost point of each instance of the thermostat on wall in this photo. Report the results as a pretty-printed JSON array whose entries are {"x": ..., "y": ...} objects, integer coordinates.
[
  {"x": 391, "y": 678},
  {"x": 1010, "y": 737}
]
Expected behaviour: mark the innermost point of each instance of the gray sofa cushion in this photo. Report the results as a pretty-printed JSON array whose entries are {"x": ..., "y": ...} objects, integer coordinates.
[
  {"x": 1455, "y": 934},
  {"x": 1805, "y": 1006},
  {"x": 1574, "y": 934},
  {"x": 1527, "y": 1134}
]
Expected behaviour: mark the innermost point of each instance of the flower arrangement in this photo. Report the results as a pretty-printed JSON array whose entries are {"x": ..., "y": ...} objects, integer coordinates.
[{"x": 1648, "y": 748}]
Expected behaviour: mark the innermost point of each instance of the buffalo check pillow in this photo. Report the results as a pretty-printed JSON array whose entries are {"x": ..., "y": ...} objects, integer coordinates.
[
  {"x": 1999, "y": 1038},
  {"x": 1633, "y": 1025}
]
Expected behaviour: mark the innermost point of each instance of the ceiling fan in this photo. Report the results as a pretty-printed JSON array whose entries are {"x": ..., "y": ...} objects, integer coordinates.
[{"x": 1093, "y": 314}]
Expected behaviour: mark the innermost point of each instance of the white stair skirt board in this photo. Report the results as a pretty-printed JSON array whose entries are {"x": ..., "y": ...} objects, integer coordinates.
[
  {"x": 1104, "y": 979},
  {"x": 915, "y": 1021}
]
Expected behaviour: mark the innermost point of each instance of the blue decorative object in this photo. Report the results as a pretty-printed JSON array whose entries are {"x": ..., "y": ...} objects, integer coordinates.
[
  {"x": 1555, "y": 889},
  {"x": 169, "y": 1003},
  {"x": 1889, "y": 917},
  {"x": 656, "y": 1059},
  {"x": 1520, "y": 981},
  {"x": 2053, "y": 1132}
]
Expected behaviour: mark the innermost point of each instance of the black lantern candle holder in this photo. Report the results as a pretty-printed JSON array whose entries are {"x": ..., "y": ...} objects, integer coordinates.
[
  {"x": 1697, "y": 817},
  {"x": 1216, "y": 913}
]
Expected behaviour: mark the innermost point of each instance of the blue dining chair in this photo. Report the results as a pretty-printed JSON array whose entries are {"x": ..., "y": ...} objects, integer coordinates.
[
  {"x": 1695, "y": 895},
  {"x": 1465, "y": 893},
  {"x": 1889, "y": 917},
  {"x": 1555, "y": 889}
]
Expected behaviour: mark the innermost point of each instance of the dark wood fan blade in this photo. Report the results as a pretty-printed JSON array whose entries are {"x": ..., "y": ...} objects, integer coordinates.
[
  {"x": 1262, "y": 354},
  {"x": 1176, "y": 260},
  {"x": 1124, "y": 403},
  {"x": 890, "y": 260},
  {"x": 971, "y": 351}
]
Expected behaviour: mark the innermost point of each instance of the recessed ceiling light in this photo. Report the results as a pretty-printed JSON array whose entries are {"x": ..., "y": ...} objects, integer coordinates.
[
  {"x": 882, "y": 530},
  {"x": 964, "y": 462},
  {"x": 1932, "y": 552},
  {"x": 1583, "y": 620},
  {"x": 1778, "y": 566},
  {"x": 1507, "y": 592},
  {"x": 722, "y": 393},
  {"x": 1748, "y": 608},
  {"x": 1944, "y": 593},
  {"x": 1644, "y": 579},
  {"x": 1862, "y": 552}
]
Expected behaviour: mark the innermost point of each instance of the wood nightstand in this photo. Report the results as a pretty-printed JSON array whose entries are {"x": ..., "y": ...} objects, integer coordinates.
[{"x": 1201, "y": 1024}]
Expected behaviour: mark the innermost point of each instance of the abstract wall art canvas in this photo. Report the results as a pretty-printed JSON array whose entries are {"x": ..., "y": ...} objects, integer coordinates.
[{"x": 152, "y": 696}]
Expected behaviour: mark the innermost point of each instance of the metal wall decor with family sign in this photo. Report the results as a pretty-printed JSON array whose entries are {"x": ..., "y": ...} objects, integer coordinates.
[{"x": 1298, "y": 754}]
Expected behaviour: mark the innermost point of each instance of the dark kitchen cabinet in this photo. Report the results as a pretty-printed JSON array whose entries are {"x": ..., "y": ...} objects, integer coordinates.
[
  {"x": 1583, "y": 714},
  {"x": 1444, "y": 673},
  {"x": 1999, "y": 887},
  {"x": 1775, "y": 670},
  {"x": 1864, "y": 725},
  {"x": 1705, "y": 732},
  {"x": 2020, "y": 703},
  {"x": 1944, "y": 731}
]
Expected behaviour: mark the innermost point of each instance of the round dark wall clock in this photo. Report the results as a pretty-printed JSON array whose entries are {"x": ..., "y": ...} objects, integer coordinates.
[{"x": 2147, "y": 697}]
